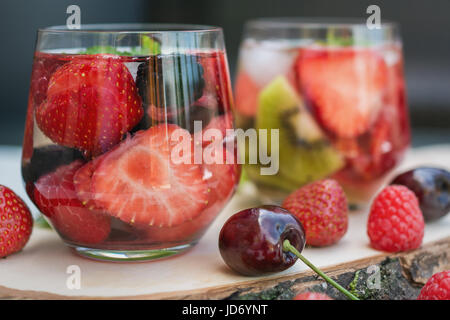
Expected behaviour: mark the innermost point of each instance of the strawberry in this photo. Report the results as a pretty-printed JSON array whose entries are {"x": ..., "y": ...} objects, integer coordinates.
[
  {"x": 223, "y": 178},
  {"x": 83, "y": 181},
  {"x": 220, "y": 123},
  {"x": 55, "y": 189},
  {"x": 27, "y": 145},
  {"x": 221, "y": 183},
  {"x": 246, "y": 95},
  {"x": 344, "y": 87},
  {"x": 381, "y": 154},
  {"x": 217, "y": 89},
  {"x": 43, "y": 67},
  {"x": 223, "y": 174},
  {"x": 312, "y": 296},
  {"x": 55, "y": 196},
  {"x": 92, "y": 101},
  {"x": 16, "y": 222},
  {"x": 322, "y": 209},
  {"x": 375, "y": 153},
  {"x": 139, "y": 182}
]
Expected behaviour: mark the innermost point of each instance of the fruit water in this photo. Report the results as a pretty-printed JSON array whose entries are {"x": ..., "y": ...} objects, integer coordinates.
[
  {"x": 96, "y": 152},
  {"x": 340, "y": 110}
]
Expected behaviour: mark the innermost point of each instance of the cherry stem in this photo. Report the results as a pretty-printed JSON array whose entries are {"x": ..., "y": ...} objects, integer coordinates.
[{"x": 289, "y": 248}]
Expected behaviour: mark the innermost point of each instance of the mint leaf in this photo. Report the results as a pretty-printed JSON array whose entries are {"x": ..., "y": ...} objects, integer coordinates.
[
  {"x": 338, "y": 40},
  {"x": 101, "y": 49},
  {"x": 148, "y": 47}
]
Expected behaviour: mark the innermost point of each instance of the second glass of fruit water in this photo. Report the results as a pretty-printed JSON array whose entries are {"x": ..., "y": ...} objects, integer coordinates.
[
  {"x": 336, "y": 92},
  {"x": 119, "y": 120}
]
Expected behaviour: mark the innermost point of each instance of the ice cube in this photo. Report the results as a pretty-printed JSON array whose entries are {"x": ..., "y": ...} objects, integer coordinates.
[{"x": 264, "y": 61}]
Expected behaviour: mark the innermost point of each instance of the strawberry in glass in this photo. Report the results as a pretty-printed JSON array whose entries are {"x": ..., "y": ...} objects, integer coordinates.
[
  {"x": 101, "y": 151},
  {"x": 335, "y": 91}
]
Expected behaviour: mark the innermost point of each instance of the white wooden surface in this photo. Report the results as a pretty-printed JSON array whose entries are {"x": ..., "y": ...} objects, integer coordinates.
[{"x": 39, "y": 271}]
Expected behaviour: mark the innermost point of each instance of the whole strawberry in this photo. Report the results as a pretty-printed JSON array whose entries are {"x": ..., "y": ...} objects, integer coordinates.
[
  {"x": 312, "y": 296},
  {"x": 92, "y": 102},
  {"x": 16, "y": 222},
  {"x": 322, "y": 209},
  {"x": 395, "y": 221},
  {"x": 437, "y": 287}
]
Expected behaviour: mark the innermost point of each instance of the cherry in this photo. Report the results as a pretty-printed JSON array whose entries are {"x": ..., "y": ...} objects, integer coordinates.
[
  {"x": 263, "y": 240},
  {"x": 251, "y": 241}
]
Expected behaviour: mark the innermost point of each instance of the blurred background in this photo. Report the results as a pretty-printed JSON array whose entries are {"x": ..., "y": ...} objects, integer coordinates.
[{"x": 424, "y": 25}]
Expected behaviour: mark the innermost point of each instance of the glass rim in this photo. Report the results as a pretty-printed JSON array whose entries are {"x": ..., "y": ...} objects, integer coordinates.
[
  {"x": 314, "y": 23},
  {"x": 133, "y": 28}
]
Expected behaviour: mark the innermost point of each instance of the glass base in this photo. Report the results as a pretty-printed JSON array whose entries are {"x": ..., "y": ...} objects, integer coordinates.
[{"x": 131, "y": 255}]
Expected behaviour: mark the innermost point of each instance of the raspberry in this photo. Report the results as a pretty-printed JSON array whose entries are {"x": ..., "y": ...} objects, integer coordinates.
[
  {"x": 322, "y": 209},
  {"x": 312, "y": 296},
  {"x": 395, "y": 221},
  {"x": 437, "y": 287}
]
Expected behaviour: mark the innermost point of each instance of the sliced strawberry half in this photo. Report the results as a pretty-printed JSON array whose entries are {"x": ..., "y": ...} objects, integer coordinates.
[
  {"x": 83, "y": 183},
  {"x": 224, "y": 173},
  {"x": 221, "y": 180},
  {"x": 224, "y": 178},
  {"x": 139, "y": 182},
  {"x": 220, "y": 124},
  {"x": 344, "y": 87},
  {"x": 55, "y": 196},
  {"x": 56, "y": 189},
  {"x": 92, "y": 101}
]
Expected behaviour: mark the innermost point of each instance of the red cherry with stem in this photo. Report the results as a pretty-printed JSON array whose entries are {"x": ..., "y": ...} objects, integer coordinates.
[
  {"x": 264, "y": 240},
  {"x": 251, "y": 241}
]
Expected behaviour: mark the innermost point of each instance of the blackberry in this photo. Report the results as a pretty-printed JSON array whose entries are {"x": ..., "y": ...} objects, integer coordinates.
[
  {"x": 169, "y": 87},
  {"x": 175, "y": 80},
  {"x": 47, "y": 159}
]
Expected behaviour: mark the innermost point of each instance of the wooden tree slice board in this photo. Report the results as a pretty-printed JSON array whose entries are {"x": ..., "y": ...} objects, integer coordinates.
[{"x": 40, "y": 270}]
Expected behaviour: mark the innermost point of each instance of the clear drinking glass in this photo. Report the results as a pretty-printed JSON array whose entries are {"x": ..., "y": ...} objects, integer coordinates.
[
  {"x": 117, "y": 116},
  {"x": 336, "y": 92}
]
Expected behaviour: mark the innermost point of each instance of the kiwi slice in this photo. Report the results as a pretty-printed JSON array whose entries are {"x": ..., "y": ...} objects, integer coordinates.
[
  {"x": 253, "y": 172},
  {"x": 303, "y": 128},
  {"x": 277, "y": 181},
  {"x": 304, "y": 153}
]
